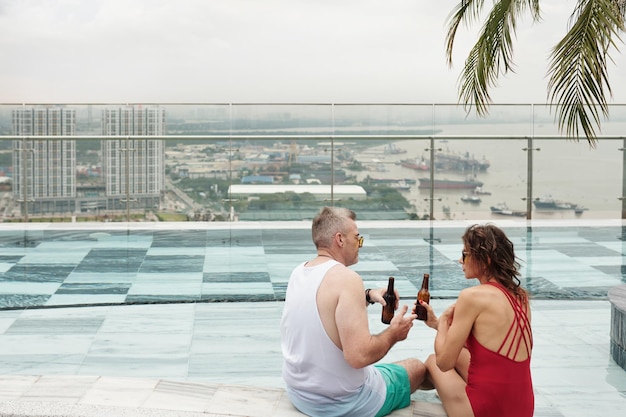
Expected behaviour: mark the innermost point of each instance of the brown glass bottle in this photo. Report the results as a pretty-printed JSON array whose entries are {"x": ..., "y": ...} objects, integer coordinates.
[
  {"x": 390, "y": 299},
  {"x": 423, "y": 295}
]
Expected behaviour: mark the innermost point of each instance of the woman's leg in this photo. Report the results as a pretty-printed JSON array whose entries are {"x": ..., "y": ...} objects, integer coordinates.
[
  {"x": 462, "y": 363},
  {"x": 451, "y": 389}
]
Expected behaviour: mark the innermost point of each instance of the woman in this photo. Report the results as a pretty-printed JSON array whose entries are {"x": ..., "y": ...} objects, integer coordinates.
[{"x": 481, "y": 365}]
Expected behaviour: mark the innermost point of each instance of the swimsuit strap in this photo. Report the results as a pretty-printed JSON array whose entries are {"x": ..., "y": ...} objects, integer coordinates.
[{"x": 520, "y": 329}]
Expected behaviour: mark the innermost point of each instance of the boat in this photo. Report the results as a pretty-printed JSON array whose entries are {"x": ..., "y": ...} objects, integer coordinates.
[
  {"x": 399, "y": 185},
  {"x": 378, "y": 166},
  {"x": 392, "y": 149},
  {"x": 402, "y": 184},
  {"x": 474, "y": 199},
  {"x": 445, "y": 184},
  {"x": 480, "y": 191},
  {"x": 418, "y": 164},
  {"x": 504, "y": 210},
  {"x": 550, "y": 203},
  {"x": 449, "y": 161},
  {"x": 370, "y": 180}
]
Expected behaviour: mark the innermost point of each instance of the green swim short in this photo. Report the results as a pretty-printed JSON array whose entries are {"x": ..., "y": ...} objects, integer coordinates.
[{"x": 398, "y": 388}]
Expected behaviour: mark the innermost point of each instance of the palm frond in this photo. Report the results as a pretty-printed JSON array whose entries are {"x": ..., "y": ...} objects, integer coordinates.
[
  {"x": 492, "y": 55},
  {"x": 465, "y": 11},
  {"x": 578, "y": 76},
  {"x": 621, "y": 7}
]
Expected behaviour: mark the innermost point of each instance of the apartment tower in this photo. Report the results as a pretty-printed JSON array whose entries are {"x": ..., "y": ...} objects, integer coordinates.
[
  {"x": 133, "y": 169},
  {"x": 44, "y": 170}
]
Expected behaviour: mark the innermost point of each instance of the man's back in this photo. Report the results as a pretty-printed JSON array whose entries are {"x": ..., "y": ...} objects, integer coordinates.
[
  {"x": 312, "y": 361},
  {"x": 329, "y": 353}
]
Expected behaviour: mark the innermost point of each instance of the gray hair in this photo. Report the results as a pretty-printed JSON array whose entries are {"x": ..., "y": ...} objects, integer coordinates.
[{"x": 328, "y": 222}]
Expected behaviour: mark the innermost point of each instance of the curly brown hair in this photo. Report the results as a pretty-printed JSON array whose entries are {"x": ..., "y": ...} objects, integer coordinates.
[{"x": 491, "y": 249}]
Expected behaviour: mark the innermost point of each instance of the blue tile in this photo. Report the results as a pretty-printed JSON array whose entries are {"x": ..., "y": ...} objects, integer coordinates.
[
  {"x": 93, "y": 288},
  {"x": 37, "y": 273}
]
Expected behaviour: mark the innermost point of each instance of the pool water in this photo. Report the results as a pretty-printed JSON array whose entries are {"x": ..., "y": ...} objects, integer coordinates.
[{"x": 195, "y": 262}]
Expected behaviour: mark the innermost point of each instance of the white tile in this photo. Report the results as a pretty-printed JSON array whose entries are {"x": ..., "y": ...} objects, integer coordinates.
[
  {"x": 374, "y": 266},
  {"x": 248, "y": 401},
  {"x": 5, "y": 266},
  {"x": 45, "y": 344},
  {"x": 115, "y": 391},
  {"x": 12, "y": 387},
  {"x": 29, "y": 288},
  {"x": 252, "y": 288},
  {"x": 169, "y": 395},
  {"x": 172, "y": 288},
  {"x": 85, "y": 299},
  {"x": 59, "y": 388}
]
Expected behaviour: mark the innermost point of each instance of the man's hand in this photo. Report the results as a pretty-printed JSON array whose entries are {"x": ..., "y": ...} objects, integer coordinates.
[
  {"x": 377, "y": 295},
  {"x": 401, "y": 323}
]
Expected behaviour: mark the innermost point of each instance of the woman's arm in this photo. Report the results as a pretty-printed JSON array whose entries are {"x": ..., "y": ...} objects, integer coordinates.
[{"x": 455, "y": 325}]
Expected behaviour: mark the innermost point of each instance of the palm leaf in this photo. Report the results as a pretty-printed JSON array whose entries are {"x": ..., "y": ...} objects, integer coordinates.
[
  {"x": 578, "y": 76},
  {"x": 492, "y": 55}
]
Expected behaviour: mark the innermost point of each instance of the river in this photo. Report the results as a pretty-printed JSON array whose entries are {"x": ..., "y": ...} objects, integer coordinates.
[{"x": 566, "y": 170}]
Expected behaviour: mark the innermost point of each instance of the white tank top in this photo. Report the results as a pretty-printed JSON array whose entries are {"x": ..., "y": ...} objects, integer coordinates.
[{"x": 314, "y": 366}]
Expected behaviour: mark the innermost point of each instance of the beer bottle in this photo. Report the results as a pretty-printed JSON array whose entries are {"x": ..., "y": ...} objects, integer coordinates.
[
  {"x": 390, "y": 299},
  {"x": 423, "y": 295}
]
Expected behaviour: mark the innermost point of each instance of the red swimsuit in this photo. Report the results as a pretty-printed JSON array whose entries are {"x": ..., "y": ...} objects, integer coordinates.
[{"x": 497, "y": 385}]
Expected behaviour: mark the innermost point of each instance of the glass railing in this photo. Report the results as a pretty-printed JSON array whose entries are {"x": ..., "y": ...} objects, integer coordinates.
[
  {"x": 222, "y": 167},
  {"x": 240, "y": 162}
]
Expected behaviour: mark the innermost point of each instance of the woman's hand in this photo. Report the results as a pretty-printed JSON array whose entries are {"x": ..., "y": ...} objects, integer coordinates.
[
  {"x": 431, "y": 320},
  {"x": 447, "y": 316}
]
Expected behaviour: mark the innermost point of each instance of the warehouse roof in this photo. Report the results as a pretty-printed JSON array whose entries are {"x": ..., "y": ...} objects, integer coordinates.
[{"x": 355, "y": 191}]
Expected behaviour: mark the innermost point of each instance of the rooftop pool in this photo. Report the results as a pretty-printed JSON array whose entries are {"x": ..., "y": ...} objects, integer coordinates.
[{"x": 51, "y": 265}]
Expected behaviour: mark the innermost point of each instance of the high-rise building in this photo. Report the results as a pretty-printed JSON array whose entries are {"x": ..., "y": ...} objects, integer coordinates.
[
  {"x": 133, "y": 169},
  {"x": 44, "y": 170}
]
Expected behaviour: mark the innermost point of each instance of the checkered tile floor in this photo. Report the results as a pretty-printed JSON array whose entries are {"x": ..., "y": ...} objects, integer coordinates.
[
  {"x": 118, "y": 336},
  {"x": 96, "y": 264}
]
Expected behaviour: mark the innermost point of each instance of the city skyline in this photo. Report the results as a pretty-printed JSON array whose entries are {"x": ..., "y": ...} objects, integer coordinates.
[
  {"x": 274, "y": 51},
  {"x": 45, "y": 171}
]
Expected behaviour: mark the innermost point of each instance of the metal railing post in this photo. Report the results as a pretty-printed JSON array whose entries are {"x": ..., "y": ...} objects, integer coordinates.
[{"x": 623, "y": 197}]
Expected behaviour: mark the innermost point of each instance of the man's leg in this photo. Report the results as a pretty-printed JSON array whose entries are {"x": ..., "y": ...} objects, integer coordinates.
[
  {"x": 400, "y": 379},
  {"x": 416, "y": 371}
]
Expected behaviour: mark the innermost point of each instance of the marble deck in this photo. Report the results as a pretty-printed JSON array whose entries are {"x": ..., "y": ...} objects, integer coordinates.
[
  {"x": 123, "y": 320},
  {"x": 224, "y": 359}
]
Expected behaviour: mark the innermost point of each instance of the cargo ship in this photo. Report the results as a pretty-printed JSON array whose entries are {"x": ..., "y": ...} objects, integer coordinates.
[
  {"x": 549, "y": 203},
  {"x": 445, "y": 184},
  {"x": 397, "y": 183},
  {"x": 385, "y": 181},
  {"x": 392, "y": 149},
  {"x": 418, "y": 164},
  {"x": 448, "y": 161}
]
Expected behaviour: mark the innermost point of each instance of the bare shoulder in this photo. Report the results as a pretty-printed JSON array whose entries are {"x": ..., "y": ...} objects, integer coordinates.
[
  {"x": 479, "y": 294},
  {"x": 342, "y": 277},
  {"x": 341, "y": 271}
]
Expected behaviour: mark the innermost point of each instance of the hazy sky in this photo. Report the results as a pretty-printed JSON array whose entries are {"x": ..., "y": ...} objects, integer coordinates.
[{"x": 216, "y": 51}]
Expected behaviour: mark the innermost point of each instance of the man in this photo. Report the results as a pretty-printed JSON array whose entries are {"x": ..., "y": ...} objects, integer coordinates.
[{"x": 327, "y": 347}]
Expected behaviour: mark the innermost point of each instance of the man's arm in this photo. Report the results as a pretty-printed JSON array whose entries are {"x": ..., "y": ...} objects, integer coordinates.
[
  {"x": 360, "y": 347},
  {"x": 376, "y": 295}
]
